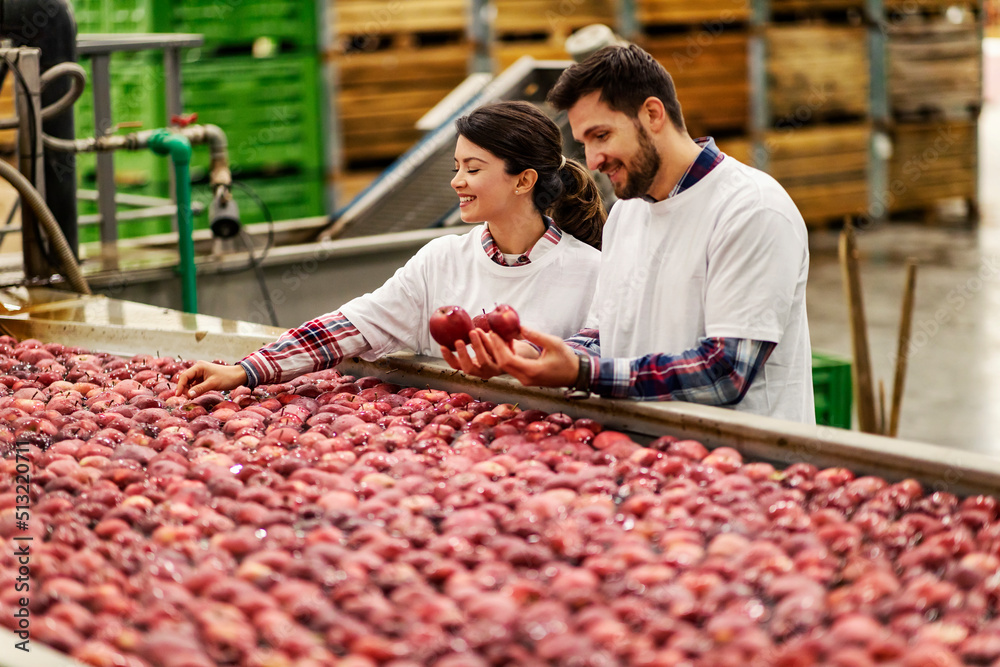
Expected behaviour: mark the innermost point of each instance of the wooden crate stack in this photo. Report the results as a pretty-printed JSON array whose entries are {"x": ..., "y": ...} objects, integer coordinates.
[
  {"x": 539, "y": 28},
  {"x": 391, "y": 63},
  {"x": 818, "y": 99},
  {"x": 935, "y": 93},
  {"x": 810, "y": 10},
  {"x": 823, "y": 168},
  {"x": 704, "y": 47},
  {"x": 808, "y": 68},
  {"x": 677, "y": 12},
  {"x": 710, "y": 74}
]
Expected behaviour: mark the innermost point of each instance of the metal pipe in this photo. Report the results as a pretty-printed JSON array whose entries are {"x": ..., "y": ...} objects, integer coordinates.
[
  {"x": 218, "y": 146},
  {"x": 78, "y": 80},
  {"x": 213, "y": 135},
  {"x": 63, "y": 251},
  {"x": 178, "y": 147}
]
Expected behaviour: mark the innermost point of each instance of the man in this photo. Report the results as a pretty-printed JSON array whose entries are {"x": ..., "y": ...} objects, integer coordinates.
[{"x": 701, "y": 294}]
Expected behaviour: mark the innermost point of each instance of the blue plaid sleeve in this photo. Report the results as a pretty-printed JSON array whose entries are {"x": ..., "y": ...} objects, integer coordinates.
[
  {"x": 586, "y": 341},
  {"x": 717, "y": 372}
]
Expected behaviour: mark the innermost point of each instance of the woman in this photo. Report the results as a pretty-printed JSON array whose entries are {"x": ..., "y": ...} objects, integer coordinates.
[{"x": 510, "y": 175}]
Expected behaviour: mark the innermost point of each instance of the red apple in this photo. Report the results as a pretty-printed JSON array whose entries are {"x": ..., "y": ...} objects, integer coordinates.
[
  {"x": 450, "y": 324},
  {"x": 481, "y": 321},
  {"x": 504, "y": 321}
]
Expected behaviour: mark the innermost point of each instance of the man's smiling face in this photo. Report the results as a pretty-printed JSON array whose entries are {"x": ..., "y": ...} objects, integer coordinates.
[{"x": 616, "y": 145}]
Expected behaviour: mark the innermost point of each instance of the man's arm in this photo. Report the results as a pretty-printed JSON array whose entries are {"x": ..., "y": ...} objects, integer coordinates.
[
  {"x": 586, "y": 341},
  {"x": 717, "y": 372}
]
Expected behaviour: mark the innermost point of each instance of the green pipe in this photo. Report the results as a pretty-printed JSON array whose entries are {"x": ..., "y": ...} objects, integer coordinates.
[{"x": 178, "y": 147}]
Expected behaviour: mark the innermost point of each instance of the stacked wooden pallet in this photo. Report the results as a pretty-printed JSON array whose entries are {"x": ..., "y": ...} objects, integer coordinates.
[
  {"x": 392, "y": 62},
  {"x": 681, "y": 12},
  {"x": 817, "y": 72},
  {"x": 704, "y": 47},
  {"x": 823, "y": 168},
  {"x": 909, "y": 6},
  {"x": 812, "y": 9},
  {"x": 710, "y": 74},
  {"x": 358, "y": 22},
  {"x": 383, "y": 94},
  {"x": 935, "y": 93},
  {"x": 805, "y": 5},
  {"x": 539, "y": 28},
  {"x": 932, "y": 162},
  {"x": 935, "y": 67}
]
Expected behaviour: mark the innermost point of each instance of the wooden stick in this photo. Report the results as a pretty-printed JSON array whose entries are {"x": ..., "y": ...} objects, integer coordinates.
[
  {"x": 883, "y": 423},
  {"x": 861, "y": 371},
  {"x": 903, "y": 349}
]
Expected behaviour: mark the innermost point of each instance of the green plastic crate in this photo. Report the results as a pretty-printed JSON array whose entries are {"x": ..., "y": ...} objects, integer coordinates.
[
  {"x": 229, "y": 22},
  {"x": 90, "y": 16},
  {"x": 289, "y": 196},
  {"x": 832, "y": 389},
  {"x": 221, "y": 22},
  {"x": 139, "y": 16},
  {"x": 120, "y": 16},
  {"x": 268, "y": 107}
]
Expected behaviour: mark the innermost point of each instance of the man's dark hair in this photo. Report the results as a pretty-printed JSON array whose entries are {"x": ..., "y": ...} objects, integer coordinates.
[{"x": 626, "y": 76}]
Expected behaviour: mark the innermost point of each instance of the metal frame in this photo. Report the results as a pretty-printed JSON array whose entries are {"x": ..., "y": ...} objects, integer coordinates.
[
  {"x": 100, "y": 47},
  {"x": 878, "y": 110},
  {"x": 760, "y": 109}
]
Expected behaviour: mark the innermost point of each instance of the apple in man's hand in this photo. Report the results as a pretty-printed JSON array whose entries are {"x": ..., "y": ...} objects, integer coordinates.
[
  {"x": 504, "y": 321},
  {"x": 481, "y": 322}
]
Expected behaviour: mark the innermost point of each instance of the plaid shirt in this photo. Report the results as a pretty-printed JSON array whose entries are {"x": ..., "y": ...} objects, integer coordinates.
[
  {"x": 718, "y": 371},
  {"x": 329, "y": 339},
  {"x": 707, "y": 160}
]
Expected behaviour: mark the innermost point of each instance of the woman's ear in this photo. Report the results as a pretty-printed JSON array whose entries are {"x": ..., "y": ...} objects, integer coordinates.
[{"x": 527, "y": 180}]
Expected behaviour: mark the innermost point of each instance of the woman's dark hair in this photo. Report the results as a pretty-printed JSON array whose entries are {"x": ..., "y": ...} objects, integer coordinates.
[
  {"x": 626, "y": 76},
  {"x": 521, "y": 135}
]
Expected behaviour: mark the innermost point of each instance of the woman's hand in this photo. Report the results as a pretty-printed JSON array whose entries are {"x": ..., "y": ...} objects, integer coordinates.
[
  {"x": 555, "y": 366},
  {"x": 205, "y": 376}
]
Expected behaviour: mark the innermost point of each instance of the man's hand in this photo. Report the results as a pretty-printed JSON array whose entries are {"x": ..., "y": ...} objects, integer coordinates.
[
  {"x": 478, "y": 362},
  {"x": 481, "y": 362},
  {"x": 205, "y": 376},
  {"x": 556, "y": 366}
]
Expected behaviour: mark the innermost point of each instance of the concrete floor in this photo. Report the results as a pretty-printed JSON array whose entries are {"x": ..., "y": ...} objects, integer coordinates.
[{"x": 952, "y": 390}]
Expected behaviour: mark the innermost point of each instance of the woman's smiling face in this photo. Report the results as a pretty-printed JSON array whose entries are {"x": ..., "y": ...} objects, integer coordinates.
[{"x": 484, "y": 187}]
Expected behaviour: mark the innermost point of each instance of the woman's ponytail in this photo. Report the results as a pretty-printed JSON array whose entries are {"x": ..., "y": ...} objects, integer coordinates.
[{"x": 579, "y": 210}]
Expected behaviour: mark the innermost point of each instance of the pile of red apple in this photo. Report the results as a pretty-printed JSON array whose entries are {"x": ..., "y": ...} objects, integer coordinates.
[{"x": 336, "y": 521}]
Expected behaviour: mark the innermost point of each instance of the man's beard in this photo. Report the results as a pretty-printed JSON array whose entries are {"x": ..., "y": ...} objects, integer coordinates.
[{"x": 641, "y": 170}]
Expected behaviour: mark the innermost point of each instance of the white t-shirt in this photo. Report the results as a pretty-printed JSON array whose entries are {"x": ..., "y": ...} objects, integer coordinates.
[
  {"x": 728, "y": 257},
  {"x": 550, "y": 294}
]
